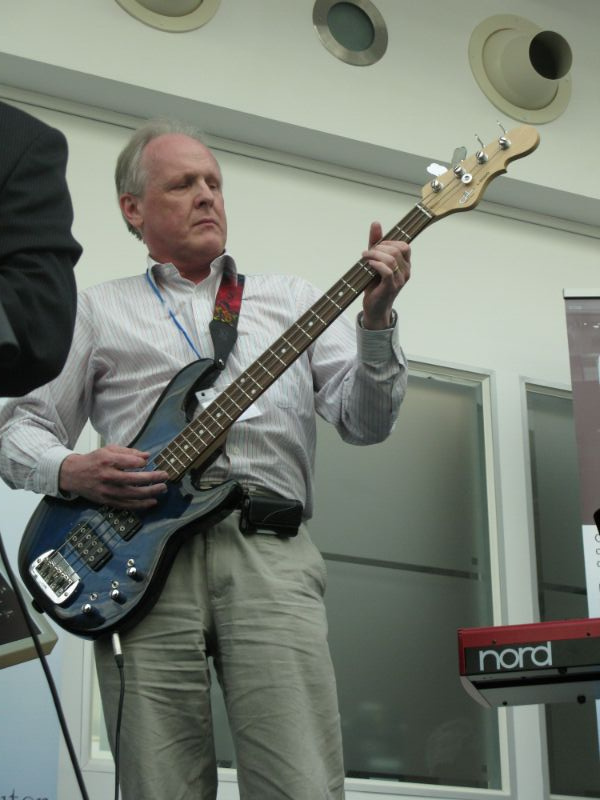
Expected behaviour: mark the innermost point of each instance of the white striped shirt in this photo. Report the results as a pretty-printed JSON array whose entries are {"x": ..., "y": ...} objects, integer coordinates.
[{"x": 126, "y": 349}]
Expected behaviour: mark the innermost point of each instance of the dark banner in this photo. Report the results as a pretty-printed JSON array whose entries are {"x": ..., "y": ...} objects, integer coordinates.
[{"x": 583, "y": 330}]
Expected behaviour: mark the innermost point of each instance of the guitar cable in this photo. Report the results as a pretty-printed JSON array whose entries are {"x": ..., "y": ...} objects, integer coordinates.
[
  {"x": 50, "y": 680},
  {"x": 120, "y": 662}
]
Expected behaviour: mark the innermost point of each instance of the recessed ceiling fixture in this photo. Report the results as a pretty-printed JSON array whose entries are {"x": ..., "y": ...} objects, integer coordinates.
[
  {"x": 175, "y": 16},
  {"x": 521, "y": 68},
  {"x": 353, "y": 31}
]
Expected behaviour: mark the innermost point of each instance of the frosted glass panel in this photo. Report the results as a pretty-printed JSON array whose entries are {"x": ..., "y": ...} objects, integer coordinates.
[
  {"x": 404, "y": 529},
  {"x": 405, "y": 715},
  {"x": 556, "y": 506},
  {"x": 417, "y": 498}
]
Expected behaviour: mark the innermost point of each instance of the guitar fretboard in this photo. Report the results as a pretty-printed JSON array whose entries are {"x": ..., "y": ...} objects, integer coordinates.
[{"x": 212, "y": 424}]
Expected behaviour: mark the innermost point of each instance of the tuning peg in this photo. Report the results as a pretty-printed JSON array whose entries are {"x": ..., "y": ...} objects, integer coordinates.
[
  {"x": 459, "y": 155},
  {"x": 480, "y": 155},
  {"x": 503, "y": 140},
  {"x": 436, "y": 170}
]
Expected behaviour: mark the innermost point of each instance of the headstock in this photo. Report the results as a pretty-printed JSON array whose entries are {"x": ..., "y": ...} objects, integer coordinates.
[{"x": 462, "y": 186}]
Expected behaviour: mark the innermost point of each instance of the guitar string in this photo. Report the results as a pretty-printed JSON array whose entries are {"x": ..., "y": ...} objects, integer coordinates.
[
  {"x": 276, "y": 358},
  {"x": 324, "y": 316},
  {"x": 297, "y": 337},
  {"x": 271, "y": 363},
  {"x": 208, "y": 423},
  {"x": 324, "y": 311}
]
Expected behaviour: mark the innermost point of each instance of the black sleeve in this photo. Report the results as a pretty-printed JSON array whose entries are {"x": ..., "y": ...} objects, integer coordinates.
[{"x": 37, "y": 256}]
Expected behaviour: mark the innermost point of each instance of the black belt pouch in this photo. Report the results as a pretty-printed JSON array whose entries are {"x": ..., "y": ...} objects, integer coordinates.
[{"x": 276, "y": 514}]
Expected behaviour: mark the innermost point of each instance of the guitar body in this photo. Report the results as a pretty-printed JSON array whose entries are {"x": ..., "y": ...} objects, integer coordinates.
[{"x": 95, "y": 569}]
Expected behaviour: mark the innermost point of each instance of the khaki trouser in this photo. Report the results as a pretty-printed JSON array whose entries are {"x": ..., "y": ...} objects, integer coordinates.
[{"x": 255, "y": 604}]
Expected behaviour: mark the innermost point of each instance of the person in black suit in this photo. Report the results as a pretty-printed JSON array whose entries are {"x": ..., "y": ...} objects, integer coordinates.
[{"x": 37, "y": 253}]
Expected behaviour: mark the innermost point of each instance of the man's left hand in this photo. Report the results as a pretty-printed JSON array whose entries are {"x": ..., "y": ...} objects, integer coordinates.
[{"x": 391, "y": 260}]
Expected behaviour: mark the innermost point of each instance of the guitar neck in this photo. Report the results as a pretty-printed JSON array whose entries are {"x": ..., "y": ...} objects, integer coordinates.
[{"x": 210, "y": 427}]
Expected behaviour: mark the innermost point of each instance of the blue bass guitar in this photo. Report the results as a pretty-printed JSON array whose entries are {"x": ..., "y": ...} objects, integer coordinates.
[{"x": 95, "y": 569}]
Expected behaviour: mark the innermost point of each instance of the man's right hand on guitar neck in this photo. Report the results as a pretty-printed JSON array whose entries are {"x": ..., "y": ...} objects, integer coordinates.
[{"x": 114, "y": 475}]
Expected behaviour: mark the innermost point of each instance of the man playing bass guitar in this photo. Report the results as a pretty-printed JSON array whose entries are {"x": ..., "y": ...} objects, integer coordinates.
[{"x": 246, "y": 587}]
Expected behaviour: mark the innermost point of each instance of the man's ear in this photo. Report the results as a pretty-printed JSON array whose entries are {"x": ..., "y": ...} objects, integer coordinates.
[{"x": 130, "y": 208}]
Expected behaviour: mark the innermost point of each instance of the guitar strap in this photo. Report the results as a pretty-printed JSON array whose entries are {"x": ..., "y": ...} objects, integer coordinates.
[
  {"x": 258, "y": 512},
  {"x": 223, "y": 326}
]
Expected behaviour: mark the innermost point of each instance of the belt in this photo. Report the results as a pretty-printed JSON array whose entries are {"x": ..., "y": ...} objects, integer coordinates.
[
  {"x": 264, "y": 510},
  {"x": 248, "y": 488}
]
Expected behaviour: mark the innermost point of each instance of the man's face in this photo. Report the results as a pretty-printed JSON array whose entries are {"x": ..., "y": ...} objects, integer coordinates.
[{"x": 181, "y": 214}]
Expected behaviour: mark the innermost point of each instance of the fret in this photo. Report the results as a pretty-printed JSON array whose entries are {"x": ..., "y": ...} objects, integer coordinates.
[
  {"x": 213, "y": 419},
  {"x": 281, "y": 360},
  {"x": 423, "y": 210},
  {"x": 262, "y": 366},
  {"x": 284, "y": 352},
  {"x": 335, "y": 304},
  {"x": 237, "y": 405},
  {"x": 306, "y": 333},
  {"x": 186, "y": 446},
  {"x": 172, "y": 458},
  {"x": 191, "y": 431},
  {"x": 172, "y": 473},
  {"x": 207, "y": 436},
  {"x": 341, "y": 294},
  {"x": 290, "y": 345},
  {"x": 242, "y": 390},
  {"x": 198, "y": 433},
  {"x": 202, "y": 428},
  {"x": 221, "y": 410},
  {"x": 322, "y": 321},
  {"x": 350, "y": 287},
  {"x": 254, "y": 380}
]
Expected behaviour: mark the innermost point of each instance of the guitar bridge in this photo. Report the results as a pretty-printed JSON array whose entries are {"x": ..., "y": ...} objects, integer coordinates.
[{"x": 57, "y": 579}]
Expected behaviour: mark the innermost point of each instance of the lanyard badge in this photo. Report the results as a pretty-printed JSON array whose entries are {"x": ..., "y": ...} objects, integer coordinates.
[{"x": 223, "y": 326}]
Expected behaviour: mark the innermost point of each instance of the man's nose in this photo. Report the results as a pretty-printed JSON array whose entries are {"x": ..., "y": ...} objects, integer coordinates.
[{"x": 204, "y": 194}]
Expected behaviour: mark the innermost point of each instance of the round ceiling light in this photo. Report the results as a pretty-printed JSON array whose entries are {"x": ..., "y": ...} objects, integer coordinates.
[
  {"x": 174, "y": 16},
  {"x": 353, "y": 31},
  {"x": 521, "y": 68}
]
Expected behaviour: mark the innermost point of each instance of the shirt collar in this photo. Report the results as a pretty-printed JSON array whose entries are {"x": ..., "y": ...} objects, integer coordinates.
[{"x": 168, "y": 273}]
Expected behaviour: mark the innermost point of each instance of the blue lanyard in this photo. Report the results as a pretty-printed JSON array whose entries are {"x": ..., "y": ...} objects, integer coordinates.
[{"x": 172, "y": 314}]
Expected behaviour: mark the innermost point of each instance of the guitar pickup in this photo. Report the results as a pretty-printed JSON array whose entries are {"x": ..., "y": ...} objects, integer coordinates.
[
  {"x": 125, "y": 523},
  {"x": 88, "y": 546},
  {"x": 57, "y": 579}
]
